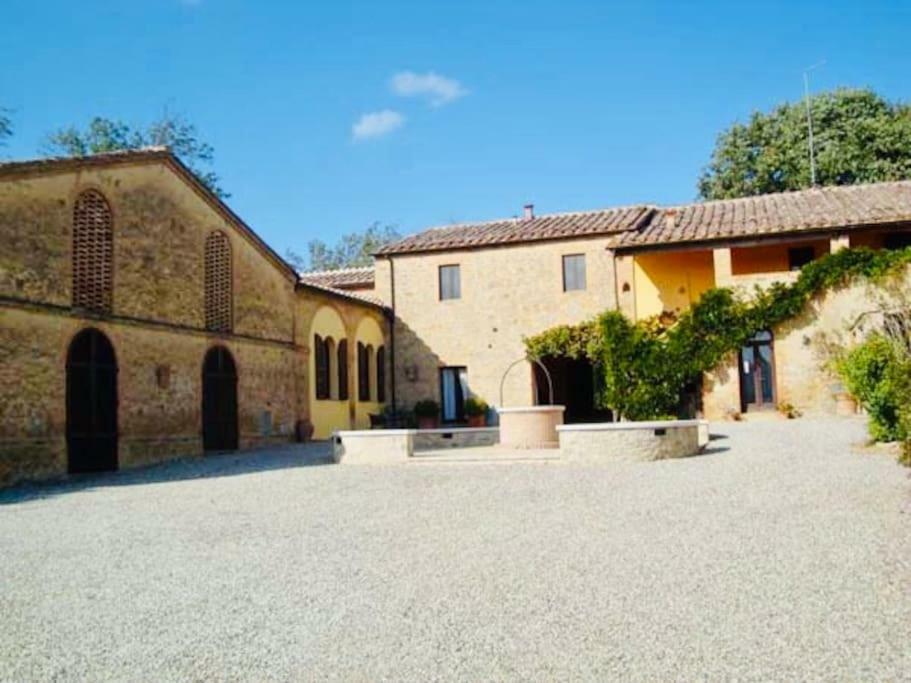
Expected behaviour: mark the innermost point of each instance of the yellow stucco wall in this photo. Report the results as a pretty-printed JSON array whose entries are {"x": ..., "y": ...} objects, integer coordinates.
[
  {"x": 671, "y": 281},
  {"x": 330, "y": 414},
  {"x": 368, "y": 334},
  {"x": 772, "y": 258}
]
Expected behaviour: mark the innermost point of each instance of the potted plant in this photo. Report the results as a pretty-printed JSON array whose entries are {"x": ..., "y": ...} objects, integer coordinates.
[
  {"x": 476, "y": 411},
  {"x": 845, "y": 404},
  {"x": 428, "y": 414}
]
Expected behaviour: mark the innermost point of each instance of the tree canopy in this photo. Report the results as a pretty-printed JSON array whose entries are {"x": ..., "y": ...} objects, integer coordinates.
[
  {"x": 109, "y": 135},
  {"x": 858, "y": 137},
  {"x": 353, "y": 249}
]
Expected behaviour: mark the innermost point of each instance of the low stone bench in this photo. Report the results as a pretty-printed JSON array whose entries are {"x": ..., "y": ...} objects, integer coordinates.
[
  {"x": 458, "y": 437},
  {"x": 384, "y": 446},
  {"x": 630, "y": 441},
  {"x": 372, "y": 446}
]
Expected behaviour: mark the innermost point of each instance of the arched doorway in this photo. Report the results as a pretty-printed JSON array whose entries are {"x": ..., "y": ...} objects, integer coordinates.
[
  {"x": 91, "y": 403},
  {"x": 219, "y": 401}
]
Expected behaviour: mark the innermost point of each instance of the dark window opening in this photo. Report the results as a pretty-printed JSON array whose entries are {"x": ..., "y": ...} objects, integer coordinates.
[
  {"x": 381, "y": 374},
  {"x": 321, "y": 350},
  {"x": 342, "y": 370},
  {"x": 798, "y": 257},
  {"x": 897, "y": 240},
  {"x": 363, "y": 372}
]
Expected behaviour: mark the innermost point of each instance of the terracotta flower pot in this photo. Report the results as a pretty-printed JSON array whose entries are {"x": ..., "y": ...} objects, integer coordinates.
[
  {"x": 845, "y": 404},
  {"x": 428, "y": 423},
  {"x": 477, "y": 420}
]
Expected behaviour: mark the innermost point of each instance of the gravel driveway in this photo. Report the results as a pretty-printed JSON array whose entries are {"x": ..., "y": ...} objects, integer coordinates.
[{"x": 780, "y": 554}]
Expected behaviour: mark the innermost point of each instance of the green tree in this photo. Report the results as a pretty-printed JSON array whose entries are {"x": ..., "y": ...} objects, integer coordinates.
[
  {"x": 6, "y": 126},
  {"x": 109, "y": 135},
  {"x": 858, "y": 137},
  {"x": 352, "y": 250}
]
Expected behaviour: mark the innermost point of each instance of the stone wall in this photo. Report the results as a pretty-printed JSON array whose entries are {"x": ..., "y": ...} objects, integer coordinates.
[
  {"x": 507, "y": 293},
  {"x": 160, "y": 223},
  {"x": 803, "y": 376},
  {"x": 160, "y": 227}
]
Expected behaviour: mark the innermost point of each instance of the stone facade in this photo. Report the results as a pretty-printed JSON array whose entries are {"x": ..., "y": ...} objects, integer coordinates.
[
  {"x": 157, "y": 320},
  {"x": 507, "y": 293}
]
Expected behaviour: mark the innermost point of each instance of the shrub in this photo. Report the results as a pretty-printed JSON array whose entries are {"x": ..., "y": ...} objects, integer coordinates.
[
  {"x": 475, "y": 407},
  {"x": 426, "y": 408},
  {"x": 877, "y": 376}
]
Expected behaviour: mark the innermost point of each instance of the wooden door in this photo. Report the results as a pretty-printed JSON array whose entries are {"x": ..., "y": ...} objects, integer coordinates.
[
  {"x": 219, "y": 401},
  {"x": 91, "y": 403}
]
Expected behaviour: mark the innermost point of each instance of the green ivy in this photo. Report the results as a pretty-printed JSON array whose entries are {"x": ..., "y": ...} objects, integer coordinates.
[{"x": 647, "y": 365}]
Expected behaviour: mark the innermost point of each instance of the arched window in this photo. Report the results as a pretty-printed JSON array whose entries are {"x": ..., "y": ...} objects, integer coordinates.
[
  {"x": 363, "y": 373},
  {"x": 219, "y": 284},
  {"x": 93, "y": 253},
  {"x": 322, "y": 368},
  {"x": 343, "y": 370},
  {"x": 381, "y": 374}
]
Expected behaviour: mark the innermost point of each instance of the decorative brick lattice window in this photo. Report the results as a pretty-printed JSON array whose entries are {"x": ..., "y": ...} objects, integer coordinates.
[
  {"x": 219, "y": 286},
  {"x": 93, "y": 253}
]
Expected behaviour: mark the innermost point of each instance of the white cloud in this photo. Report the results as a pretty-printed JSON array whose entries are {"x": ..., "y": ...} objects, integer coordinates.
[
  {"x": 376, "y": 124},
  {"x": 439, "y": 89}
]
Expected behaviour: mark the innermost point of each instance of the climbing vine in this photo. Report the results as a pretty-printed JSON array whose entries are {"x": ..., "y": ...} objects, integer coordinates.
[{"x": 647, "y": 365}]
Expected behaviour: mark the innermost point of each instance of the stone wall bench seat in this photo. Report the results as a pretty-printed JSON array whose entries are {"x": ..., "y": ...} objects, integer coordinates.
[
  {"x": 384, "y": 446},
  {"x": 629, "y": 441}
]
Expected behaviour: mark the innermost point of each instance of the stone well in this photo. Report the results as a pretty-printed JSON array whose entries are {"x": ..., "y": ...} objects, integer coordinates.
[{"x": 530, "y": 426}]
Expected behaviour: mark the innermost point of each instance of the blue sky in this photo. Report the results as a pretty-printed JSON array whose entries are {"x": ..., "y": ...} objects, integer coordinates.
[{"x": 570, "y": 105}]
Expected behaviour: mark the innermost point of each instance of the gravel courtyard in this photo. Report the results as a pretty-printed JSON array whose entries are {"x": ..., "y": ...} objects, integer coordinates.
[{"x": 781, "y": 554}]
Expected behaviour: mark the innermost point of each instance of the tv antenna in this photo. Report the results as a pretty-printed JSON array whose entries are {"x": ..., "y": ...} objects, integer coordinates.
[{"x": 806, "y": 97}]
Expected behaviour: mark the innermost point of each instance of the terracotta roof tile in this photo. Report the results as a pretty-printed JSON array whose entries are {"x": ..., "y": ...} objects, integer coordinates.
[
  {"x": 843, "y": 207},
  {"x": 514, "y": 230},
  {"x": 342, "y": 278}
]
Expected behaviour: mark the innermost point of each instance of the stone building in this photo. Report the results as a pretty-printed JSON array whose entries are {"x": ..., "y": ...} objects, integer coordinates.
[
  {"x": 465, "y": 296},
  {"x": 141, "y": 319}
]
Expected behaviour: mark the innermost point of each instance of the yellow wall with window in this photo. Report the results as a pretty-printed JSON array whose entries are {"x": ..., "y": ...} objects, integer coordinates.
[
  {"x": 327, "y": 415},
  {"x": 671, "y": 281},
  {"x": 370, "y": 335},
  {"x": 772, "y": 258}
]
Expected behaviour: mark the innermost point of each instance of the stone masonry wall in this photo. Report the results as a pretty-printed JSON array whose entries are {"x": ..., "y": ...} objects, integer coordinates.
[
  {"x": 507, "y": 293},
  {"x": 803, "y": 377}
]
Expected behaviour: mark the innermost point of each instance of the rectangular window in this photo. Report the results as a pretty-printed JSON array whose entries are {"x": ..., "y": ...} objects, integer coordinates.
[
  {"x": 798, "y": 257},
  {"x": 573, "y": 272},
  {"x": 450, "y": 283},
  {"x": 453, "y": 392},
  {"x": 897, "y": 240}
]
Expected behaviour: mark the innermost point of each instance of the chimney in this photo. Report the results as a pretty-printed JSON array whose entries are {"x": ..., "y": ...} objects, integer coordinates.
[
  {"x": 670, "y": 218},
  {"x": 529, "y": 212}
]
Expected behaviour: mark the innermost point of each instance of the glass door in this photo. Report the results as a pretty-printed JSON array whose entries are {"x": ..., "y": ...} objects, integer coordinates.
[{"x": 757, "y": 373}]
